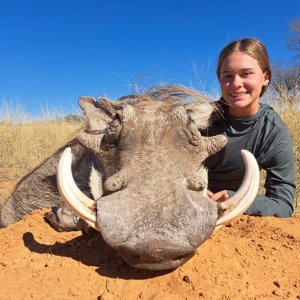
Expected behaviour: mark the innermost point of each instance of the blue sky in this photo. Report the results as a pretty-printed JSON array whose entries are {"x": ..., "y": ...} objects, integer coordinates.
[{"x": 53, "y": 52}]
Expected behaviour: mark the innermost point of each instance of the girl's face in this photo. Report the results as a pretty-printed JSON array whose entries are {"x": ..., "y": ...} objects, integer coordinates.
[{"x": 241, "y": 81}]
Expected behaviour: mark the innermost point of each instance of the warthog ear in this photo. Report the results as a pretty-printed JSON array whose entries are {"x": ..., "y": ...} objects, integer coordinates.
[
  {"x": 200, "y": 113},
  {"x": 99, "y": 114}
]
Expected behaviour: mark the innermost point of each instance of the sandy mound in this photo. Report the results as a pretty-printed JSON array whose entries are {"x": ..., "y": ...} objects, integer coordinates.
[{"x": 250, "y": 258}]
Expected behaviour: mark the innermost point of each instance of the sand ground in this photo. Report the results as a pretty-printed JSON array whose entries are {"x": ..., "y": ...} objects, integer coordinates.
[{"x": 249, "y": 258}]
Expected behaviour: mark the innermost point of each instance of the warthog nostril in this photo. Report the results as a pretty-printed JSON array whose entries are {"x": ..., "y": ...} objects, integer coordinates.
[{"x": 135, "y": 259}]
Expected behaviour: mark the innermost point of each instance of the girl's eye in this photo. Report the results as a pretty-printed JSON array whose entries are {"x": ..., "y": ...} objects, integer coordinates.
[
  {"x": 226, "y": 76},
  {"x": 246, "y": 74}
]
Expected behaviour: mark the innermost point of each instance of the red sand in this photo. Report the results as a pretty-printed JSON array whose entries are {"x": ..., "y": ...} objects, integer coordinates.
[{"x": 249, "y": 258}]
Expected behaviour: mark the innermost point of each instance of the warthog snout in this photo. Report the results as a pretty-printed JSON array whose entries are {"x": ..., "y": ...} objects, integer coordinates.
[
  {"x": 155, "y": 254},
  {"x": 152, "y": 231}
]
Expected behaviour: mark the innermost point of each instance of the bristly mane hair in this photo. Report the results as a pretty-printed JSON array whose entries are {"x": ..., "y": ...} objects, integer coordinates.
[{"x": 176, "y": 94}]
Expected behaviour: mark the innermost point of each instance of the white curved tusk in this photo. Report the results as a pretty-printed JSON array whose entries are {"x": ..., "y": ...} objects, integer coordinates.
[
  {"x": 245, "y": 195},
  {"x": 77, "y": 201}
]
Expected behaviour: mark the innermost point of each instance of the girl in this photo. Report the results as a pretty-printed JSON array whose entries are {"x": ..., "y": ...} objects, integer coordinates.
[{"x": 244, "y": 73}]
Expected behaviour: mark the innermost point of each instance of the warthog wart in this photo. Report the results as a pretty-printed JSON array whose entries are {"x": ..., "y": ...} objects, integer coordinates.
[{"x": 136, "y": 175}]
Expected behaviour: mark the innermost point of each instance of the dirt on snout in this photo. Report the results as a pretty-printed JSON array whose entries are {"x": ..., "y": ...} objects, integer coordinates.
[{"x": 249, "y": 258}]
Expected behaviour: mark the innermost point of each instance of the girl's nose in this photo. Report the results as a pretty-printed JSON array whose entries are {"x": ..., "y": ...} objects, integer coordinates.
[{"x": 237, "y": 81}]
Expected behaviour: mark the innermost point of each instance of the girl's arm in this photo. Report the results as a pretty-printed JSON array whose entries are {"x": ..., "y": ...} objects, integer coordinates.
[{"x": 278, "y": 161}]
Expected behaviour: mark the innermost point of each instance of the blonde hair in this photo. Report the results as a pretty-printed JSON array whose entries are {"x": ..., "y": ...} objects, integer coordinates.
[{"x": 251, "y": 47}]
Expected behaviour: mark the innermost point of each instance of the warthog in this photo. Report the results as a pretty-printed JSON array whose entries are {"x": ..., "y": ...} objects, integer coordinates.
[{"x": 141, "y": 159}]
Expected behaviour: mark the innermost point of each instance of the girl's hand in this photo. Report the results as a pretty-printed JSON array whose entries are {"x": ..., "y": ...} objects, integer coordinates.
[{"x": 219, "y": 196}]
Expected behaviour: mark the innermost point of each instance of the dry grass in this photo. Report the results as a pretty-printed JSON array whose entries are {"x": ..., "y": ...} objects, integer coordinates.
[
  {"x": 291, "y": 117},
  {"x": 23, "y": 146}
]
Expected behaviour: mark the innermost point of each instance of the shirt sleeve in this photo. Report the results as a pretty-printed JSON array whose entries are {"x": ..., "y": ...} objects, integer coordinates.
[{"x": 278, "y": 162}]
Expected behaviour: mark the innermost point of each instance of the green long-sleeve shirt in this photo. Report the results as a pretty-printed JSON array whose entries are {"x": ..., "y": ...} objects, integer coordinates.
[{"x": 268, "y": 139}]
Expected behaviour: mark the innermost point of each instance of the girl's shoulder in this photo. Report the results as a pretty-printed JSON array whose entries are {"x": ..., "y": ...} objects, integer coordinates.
[{"x": 269, "y": 115}]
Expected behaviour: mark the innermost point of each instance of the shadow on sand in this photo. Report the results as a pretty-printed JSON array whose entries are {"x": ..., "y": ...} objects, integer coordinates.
[{"x": 91, "y": 250}]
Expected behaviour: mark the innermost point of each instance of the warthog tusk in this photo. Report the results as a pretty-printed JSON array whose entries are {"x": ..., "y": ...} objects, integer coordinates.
[
  {"x": 77, "y": 201},
  {"x": 245, "y": 195}
]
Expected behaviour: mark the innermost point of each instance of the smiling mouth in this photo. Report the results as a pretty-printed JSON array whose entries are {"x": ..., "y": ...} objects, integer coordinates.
[{"x": 237, "y": 95}]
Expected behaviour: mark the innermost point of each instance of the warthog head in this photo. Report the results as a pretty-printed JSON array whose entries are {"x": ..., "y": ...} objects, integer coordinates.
[{"x": 152, "y": 204}]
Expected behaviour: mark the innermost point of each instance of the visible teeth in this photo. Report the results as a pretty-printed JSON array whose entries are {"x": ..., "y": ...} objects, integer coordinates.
[{"x": 239, "y": 94}]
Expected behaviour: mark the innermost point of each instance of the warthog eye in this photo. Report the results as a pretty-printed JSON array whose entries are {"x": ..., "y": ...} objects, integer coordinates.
[
  {"x": 192, "y": 134},
  {"x": 113, "y": 131}
]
